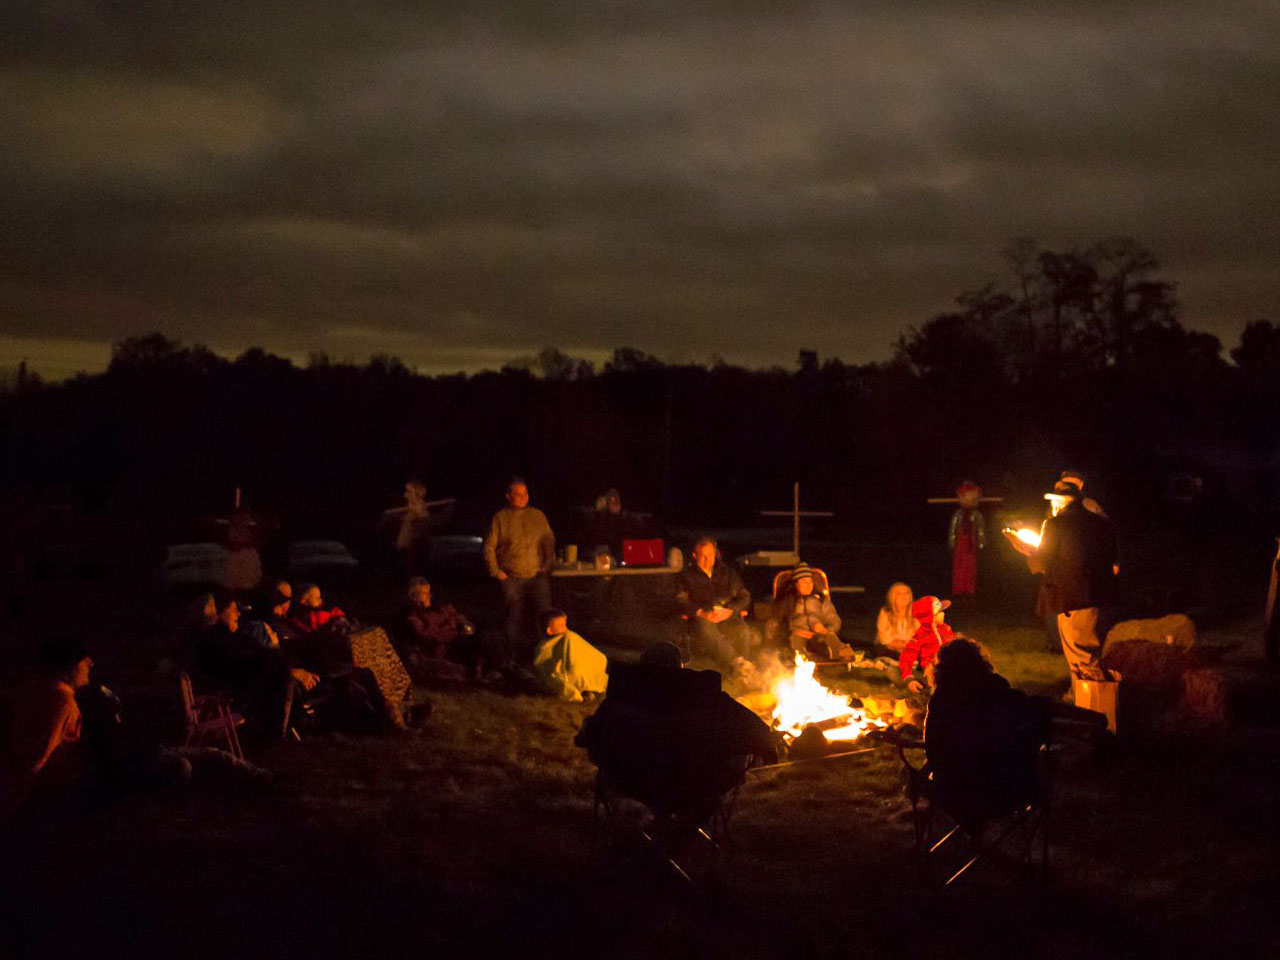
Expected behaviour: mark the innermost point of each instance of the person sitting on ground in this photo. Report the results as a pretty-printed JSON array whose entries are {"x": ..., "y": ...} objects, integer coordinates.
[
  {"x": 895, "y": 626},
  {"x": 924, "y": 645},
  {"x": 45, "y": 728},
  {"x": 711, "y": 598},
  {"x": 981, "y": 737},
  {"x": 309, "y": 614},
  {"x": 259, "y": 678},
  {"x": 277, "y": 607},
  {"x": 566, "y": 664},
  {"x": 810, "y": 618},
  {"x": 436, "y": 642}
]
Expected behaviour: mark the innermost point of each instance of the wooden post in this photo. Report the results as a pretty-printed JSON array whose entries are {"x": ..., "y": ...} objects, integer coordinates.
[{"x": 795, "y": 513}]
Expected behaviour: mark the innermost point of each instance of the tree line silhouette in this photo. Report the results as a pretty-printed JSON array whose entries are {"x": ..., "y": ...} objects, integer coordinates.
[{"x": 1074, "y": 358}]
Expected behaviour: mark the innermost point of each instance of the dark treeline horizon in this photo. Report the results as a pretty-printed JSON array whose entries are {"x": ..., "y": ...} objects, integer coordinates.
[{"x": 1077, "y": 359}]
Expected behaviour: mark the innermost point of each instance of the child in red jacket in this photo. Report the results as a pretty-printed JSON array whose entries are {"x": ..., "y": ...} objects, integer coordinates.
[{"x": 932, "y": 633}]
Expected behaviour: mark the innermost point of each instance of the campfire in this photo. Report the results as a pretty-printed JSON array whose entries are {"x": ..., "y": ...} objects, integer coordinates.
[{"x": 801, "y": 701}]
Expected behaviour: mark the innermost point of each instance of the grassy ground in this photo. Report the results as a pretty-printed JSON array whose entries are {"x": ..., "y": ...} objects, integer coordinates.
[{"x": 473, "y": 835}]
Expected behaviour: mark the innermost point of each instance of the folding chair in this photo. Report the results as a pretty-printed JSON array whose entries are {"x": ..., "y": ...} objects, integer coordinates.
[
  {"x": 209, "y": 714},
  {"x": 661, "y": 740},
  {"x": 1020, "y": 819},
  {"x": 821, "y": 587}
]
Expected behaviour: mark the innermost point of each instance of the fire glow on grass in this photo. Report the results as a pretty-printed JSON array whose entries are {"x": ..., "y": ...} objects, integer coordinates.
[{"x": 802, "y": 701}]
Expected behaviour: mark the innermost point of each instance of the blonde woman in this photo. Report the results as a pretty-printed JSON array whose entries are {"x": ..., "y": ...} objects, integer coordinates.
[{"x": 895, "y": 626}]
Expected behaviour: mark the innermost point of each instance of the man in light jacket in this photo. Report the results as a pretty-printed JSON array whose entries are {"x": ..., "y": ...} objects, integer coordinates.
[{"x": 519, "y": 552}]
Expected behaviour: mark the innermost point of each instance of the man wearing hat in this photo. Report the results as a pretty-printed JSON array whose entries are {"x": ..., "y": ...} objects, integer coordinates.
[{"x": 1077, "y": 555}]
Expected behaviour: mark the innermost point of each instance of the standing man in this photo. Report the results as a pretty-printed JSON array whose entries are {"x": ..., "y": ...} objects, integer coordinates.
[
  {"x": 519, "y": 551},
  {"x": 712, "y": 597},
  {"x": 1077, "y": 555}
]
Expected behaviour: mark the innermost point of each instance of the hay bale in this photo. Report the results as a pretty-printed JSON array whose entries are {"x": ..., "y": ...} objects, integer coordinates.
[
  {"x": 1142, "y": 663},
  {"x": 1176, "y": 629}
]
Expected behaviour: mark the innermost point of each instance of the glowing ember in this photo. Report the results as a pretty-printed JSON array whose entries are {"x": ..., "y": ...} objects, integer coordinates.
[{"x": 802, "y": 700}]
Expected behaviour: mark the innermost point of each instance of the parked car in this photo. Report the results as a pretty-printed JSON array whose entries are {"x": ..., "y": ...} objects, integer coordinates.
[
  {"x": 321, "y": 560},
  {"x": 193, "y": 564}
]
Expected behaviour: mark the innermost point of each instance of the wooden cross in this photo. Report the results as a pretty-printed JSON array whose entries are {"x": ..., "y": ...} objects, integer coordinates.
[{"x": 795, "y": 513}]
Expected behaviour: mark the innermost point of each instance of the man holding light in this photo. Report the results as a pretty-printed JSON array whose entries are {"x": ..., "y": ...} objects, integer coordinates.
[{"x": 1077, "y": 555}]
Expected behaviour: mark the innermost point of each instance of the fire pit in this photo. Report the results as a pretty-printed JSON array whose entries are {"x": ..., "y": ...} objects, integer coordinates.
[{"x": 797, "y": 700}]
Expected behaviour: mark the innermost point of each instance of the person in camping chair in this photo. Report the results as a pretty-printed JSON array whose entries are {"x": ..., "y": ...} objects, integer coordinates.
[
  {"x": 981, "y": 736},
  {"x": 810, "y": 617},
  {"x": 711, "y": 598}
]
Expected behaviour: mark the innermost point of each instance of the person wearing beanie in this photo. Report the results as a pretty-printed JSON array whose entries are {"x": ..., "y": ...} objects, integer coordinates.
[{"x": 810, "y": 616}]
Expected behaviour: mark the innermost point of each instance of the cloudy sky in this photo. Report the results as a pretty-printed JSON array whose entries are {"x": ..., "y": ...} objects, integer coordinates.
[{"x": 739, "y": 178}]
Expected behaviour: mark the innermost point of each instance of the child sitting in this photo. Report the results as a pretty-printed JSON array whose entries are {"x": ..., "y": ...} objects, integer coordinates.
[
  {"x": 922, "y": 649},
  {"x": 565, "y": 663}
]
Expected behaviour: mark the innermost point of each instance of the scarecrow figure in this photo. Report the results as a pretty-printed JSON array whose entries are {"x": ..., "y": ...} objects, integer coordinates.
[{"x": 966, "y": 536}]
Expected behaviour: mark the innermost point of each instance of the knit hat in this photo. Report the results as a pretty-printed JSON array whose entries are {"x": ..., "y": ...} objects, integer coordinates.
[
  {"x": 801, "y": 570},
  {"x": 926, "y": 608}
]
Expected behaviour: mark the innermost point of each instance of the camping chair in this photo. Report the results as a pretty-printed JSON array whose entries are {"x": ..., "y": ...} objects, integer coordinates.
[
  {"x": 821, "y": 587},
  {"x": 1019, "y": 822},
  {"x": 658, "y": 740},
  {"x": 209, "y": 714}
]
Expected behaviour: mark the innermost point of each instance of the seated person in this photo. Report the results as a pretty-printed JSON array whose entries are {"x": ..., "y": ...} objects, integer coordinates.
[
  {"x": 710, "y": 596},
  {"x": 922, "y": 649},
  {"x": 608, "y": 525},
  {"x": 566, "y": 664},
  {"x": 45, "y": 727},
  {"x": 309, "y": 614},
  {"x": 278, "y": 607},
  {"x": 981, "y": 736},
  {"x": 895, "y": 626},
  {"x": 435, "y": 640},
  {"x": 671, "y": 738},
  {"x": 810, "y": 617},
  {"x": 261, "y": 679}
]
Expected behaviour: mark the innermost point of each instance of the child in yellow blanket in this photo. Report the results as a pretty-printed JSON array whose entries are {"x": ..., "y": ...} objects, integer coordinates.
[{"x": 565, "y": 663}]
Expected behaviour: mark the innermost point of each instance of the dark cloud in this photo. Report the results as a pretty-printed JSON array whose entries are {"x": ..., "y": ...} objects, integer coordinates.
[{"x": 738, "y": 179}]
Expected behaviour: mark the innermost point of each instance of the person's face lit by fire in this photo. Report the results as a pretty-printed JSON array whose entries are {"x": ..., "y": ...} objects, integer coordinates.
[
  {"x": 1057, "y": 504},
  {"x": 209, "y": 612},
  {"x": 557, "y": 626},
  {"x": 613, "y": 501},
  {"x": 229, "y": 616},
  {"x": 804, "y": 586},
  {"x": 80, "y": 673},
  {"x": 900, "y": 600},
  {"x": 311, "y": 599},
  {"x": 420, "y": 596},
  {"x": 704, "y": 555},
  {"x": 518, "y": 496}
]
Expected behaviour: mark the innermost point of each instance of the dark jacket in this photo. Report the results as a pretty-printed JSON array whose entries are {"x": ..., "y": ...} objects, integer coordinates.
[
  {"x": 982, "y": 741},
  {"x": 696, "y": 591},
  {"x": 1077, "y": 555}
]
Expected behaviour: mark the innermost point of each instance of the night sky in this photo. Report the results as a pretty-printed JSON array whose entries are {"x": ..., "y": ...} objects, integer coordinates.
[{"x": 737, "y": 179}]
